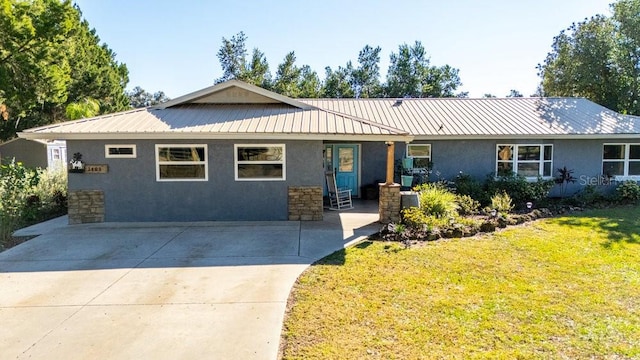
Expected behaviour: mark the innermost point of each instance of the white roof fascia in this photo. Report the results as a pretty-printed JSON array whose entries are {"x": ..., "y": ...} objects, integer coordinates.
[
  {"x": 213, "y": 136},
  {"x": 231, "y": 83},
  {"x": 521, "y": 137}
]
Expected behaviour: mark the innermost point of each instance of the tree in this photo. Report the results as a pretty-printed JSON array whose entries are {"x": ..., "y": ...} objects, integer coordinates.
[
  {"x": 233, "y": 59},
  {"x": 49, "y": 59},
  {"x": 514, "y": 93},
  {"x": 84, "y": 109},
  {"x": 598, "y": 58},
  {"x": 488, "y": 95},
  {"x": 139, "y": 97},
  {"x": 337, "y": 83},
  {"x": 365, "y": 79},
  {"x": 286, "y": 81},
  {"x": 309, "y": 83},
  {"x": 411, "y": 75}
]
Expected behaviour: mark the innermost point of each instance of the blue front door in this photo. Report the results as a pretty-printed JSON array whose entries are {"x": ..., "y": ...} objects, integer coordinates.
[{"x": 343, "y": 159}]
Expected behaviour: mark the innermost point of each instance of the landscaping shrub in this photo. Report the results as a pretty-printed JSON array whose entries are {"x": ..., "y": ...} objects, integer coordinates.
[
  {"x": 519, "y": 188},
  {"x": 502, "y": 202},
  {"x": 467, "y": 205},
  {"x": 435, "y": 200},
  {"x": 464, "y": 184},
  {"x": 28, "y": 196},
  {"x": 628, "y": 192}
]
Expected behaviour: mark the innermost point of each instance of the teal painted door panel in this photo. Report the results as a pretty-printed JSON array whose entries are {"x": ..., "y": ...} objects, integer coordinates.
[{"x": 343, "y": 159}]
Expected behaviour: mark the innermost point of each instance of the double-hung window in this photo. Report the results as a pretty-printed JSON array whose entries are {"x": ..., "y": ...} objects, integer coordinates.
[
  {"x": 421, "y": 154},
  {"x": 181, "y": 162},
  {"x": 526, "y": 160},
  {"x": 265, "y": 162},
  {"x": 621, "y": 160}
]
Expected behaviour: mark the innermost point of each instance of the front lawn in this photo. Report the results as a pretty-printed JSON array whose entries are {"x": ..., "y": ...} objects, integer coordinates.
[{"x": 565, "y": 287}]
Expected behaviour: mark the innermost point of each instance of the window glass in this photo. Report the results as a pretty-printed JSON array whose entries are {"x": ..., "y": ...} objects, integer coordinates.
[
  {"x": 634, "y": 152},
  {"x": 528, "y": 152},
  {"x": 260, "y": 162},
  {"x": 547, "y": 169},
  {"x": 613, "y": 168},
  {"x": 260, "y": 171},
  {"x": 505, "y": 152},
  {"x": 345, "y": 159},
  {"x": 634, "y": 168},
  {"x": 529, "y": 169},
  {"x": 530, "y": 161},
  {"x": 505, "y": 168},
  {"x": 415, "y": 150},
  {"x": 181, "y": 162},
  {"x": 120, "y": 151},
  {"x": 548, "y": 152},
  {"x": 613, "y": 152},
  {"x": 421, "y": 154}
]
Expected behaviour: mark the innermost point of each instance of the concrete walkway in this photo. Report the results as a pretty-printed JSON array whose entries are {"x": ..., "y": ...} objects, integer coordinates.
[{"x": 161, "y": 291}]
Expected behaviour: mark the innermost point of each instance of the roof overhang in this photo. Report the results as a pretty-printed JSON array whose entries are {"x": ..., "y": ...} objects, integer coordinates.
[
  {"x": 212, "y": 136},
  {"x": 527, "y": 137}
]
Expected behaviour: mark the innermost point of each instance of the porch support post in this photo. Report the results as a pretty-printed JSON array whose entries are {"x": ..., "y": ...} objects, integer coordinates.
[
  {"x": 390, "y": 160},
  {"x": 389, "y": 200}
]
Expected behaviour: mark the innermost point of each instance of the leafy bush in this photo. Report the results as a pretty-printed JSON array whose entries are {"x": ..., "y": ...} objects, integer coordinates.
[
  {"x": 16, "y": 182},
  {"x": 29, "y": 195},
  {"x": 466, "y": 185},
  {"x": 435, "y": 200},
  {"x": 589, "y": 196},
  {"x": 467, "y": 205},
  {"x": 628, "y": 192},
  {"x": 502, "y": 202},
  {"x": 519, "y": 188},
  {"x": 414, "y": 217}
]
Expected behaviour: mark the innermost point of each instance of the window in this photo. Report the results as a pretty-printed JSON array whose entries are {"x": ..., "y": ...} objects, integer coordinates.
[
  {"x": 181, "y": 162},
  {"x": 260, "y": 162},
  {"x": 421, "y": 154},
  {"x": 527, "y": 160},
  {"x": 621, "y": 160},
  {"x": 120, "y": 151}
]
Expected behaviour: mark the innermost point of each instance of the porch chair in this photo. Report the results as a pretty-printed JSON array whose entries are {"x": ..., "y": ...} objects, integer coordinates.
[{"x": 339, "y": 199}]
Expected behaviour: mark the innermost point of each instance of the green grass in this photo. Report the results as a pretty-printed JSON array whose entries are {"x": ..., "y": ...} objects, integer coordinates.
[{"x": 566, "y": 287}]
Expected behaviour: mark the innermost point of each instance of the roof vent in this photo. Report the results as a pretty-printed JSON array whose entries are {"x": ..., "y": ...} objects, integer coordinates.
[{"x": 398, "y": 102}]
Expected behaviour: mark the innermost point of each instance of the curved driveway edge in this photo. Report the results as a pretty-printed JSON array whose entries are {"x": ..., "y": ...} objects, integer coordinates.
[{"x": 161, "y": 291}]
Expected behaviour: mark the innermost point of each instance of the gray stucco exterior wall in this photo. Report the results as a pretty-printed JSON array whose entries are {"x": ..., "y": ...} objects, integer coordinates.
[
  {"x": 478, "y": 158},
  {"x": 132, "y": 193}
]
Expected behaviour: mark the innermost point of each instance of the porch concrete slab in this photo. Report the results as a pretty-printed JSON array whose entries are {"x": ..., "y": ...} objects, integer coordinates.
[{"x": 238, "y": 241}]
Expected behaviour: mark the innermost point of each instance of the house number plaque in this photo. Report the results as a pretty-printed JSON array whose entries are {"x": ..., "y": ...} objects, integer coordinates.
[{"x": 96, "y": 169}]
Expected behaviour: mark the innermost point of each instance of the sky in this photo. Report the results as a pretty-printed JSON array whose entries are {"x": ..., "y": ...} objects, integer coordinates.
[{"x": 171, "y": 46}]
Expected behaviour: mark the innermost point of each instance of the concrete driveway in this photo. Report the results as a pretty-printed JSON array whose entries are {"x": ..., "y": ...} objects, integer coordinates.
[{"x": 161, "y": 291}]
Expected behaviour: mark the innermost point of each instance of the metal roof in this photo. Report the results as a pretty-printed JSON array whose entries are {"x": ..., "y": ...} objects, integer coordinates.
[
  {"x": 489, "y": 117},
  {"x": 276, "y": 121},
  {"x": 235, "y": 110}
]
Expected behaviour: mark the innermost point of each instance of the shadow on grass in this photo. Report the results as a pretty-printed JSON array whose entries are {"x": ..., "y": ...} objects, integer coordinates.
[
  {"x": 619, "y": 225},
  {"x": 339, "y": 257}
]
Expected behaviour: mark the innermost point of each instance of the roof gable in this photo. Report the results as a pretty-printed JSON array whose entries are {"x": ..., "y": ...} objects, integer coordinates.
[{"x": 234, "y": 92}]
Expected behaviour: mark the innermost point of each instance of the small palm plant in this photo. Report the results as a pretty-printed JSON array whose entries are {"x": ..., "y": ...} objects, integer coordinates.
[{"x": 565, "y": 176}]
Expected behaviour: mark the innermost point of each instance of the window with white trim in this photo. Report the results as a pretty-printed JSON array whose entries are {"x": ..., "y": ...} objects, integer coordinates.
[
  {"x": 421, "y": 154},
  {"x": 181, "y": 162},
  {"x": 119, "y": 151},
  {"x": 264, "y": 162},
  {"x": 621, "y": 160},
  {"x": 526, "y": 160}
]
